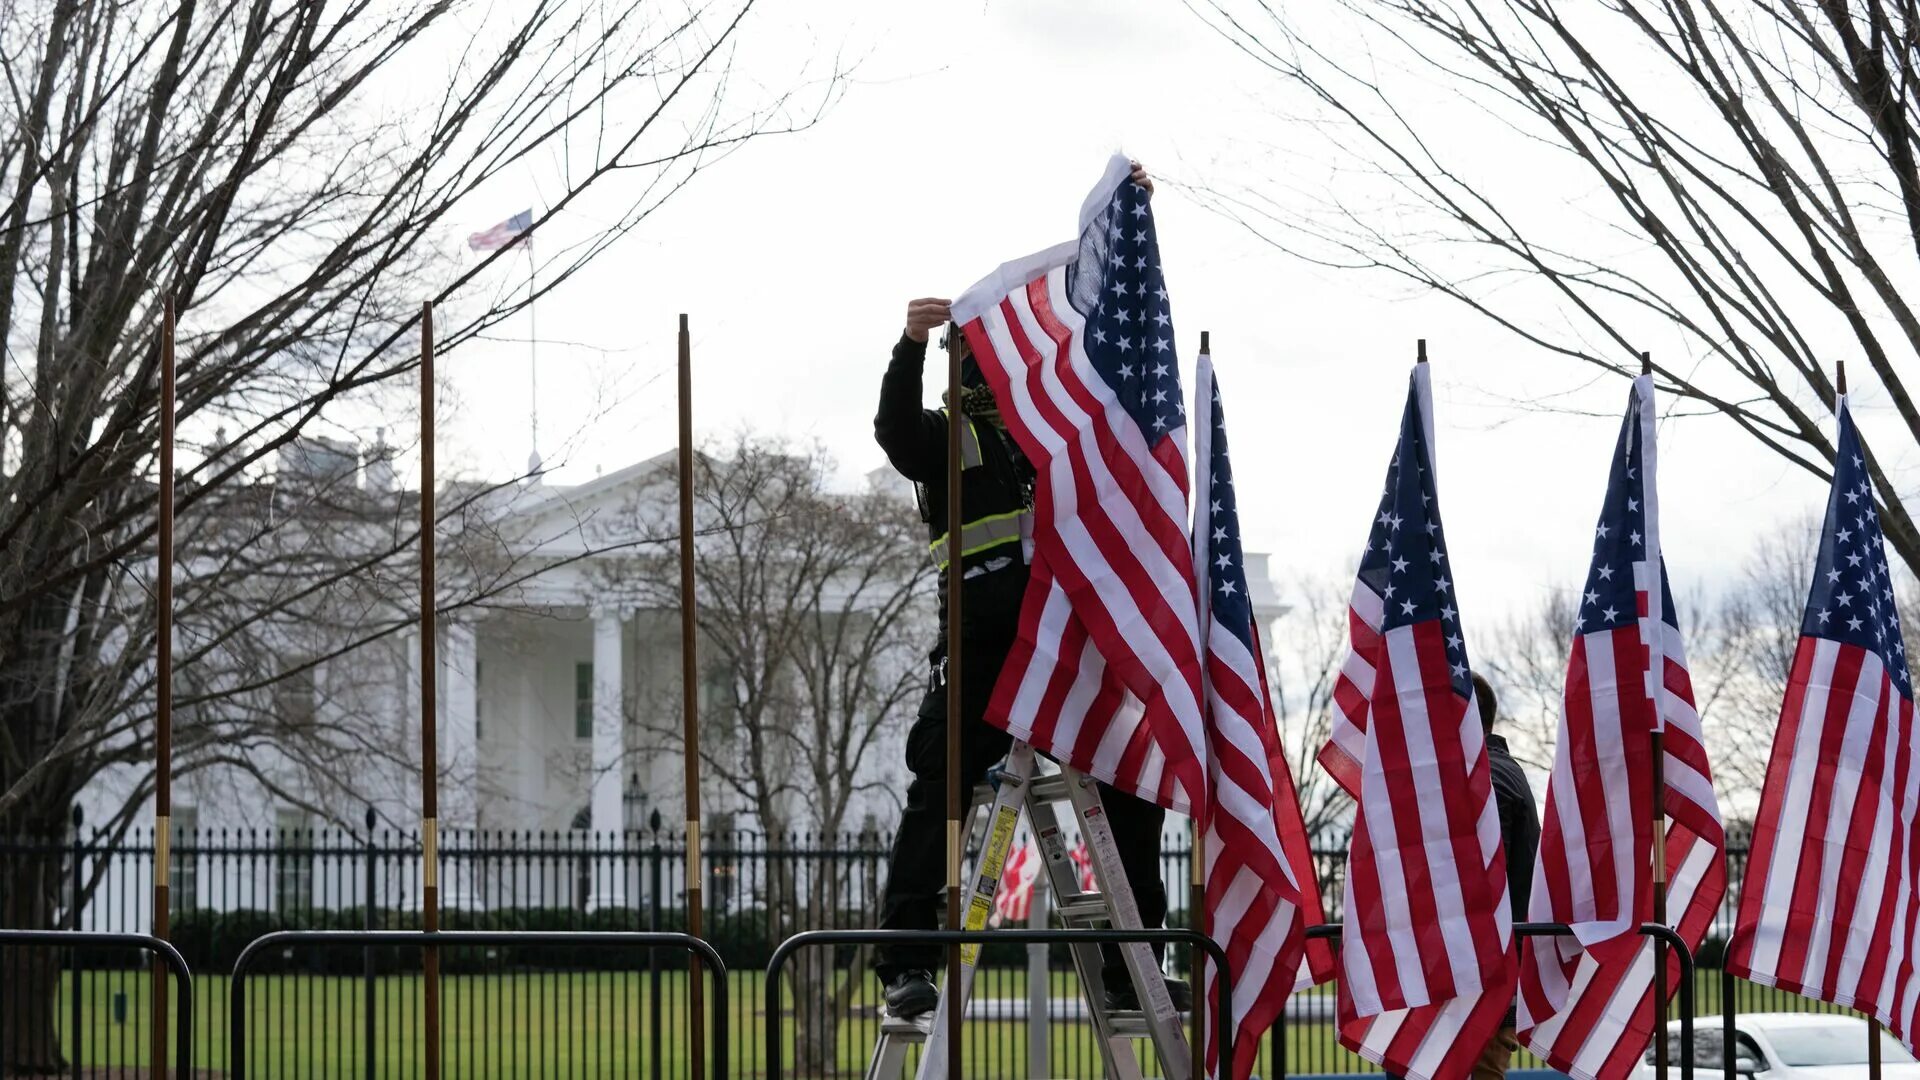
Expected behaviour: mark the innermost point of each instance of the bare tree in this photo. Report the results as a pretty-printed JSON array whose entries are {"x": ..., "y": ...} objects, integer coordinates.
[
  {"x": 292, "y": 174},
  {"x": 1525, "y": 661},
  {"x": 1741, "y": 173},
  {"x": 813, "y": 605},
  {"x": 1309, "y": 643}
]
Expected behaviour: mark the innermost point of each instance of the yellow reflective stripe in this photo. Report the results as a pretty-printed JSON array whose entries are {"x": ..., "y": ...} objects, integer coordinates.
[
  {"x": 982, "y": 535},
  {"x": 969, "y": 444}
]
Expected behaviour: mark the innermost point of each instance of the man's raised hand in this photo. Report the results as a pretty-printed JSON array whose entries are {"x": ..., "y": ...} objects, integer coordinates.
[
  {"x": 925, "y": 314},
  {"x": 1140, "y": 177}
]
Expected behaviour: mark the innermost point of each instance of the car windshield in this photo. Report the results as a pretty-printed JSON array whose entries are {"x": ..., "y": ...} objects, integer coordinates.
[
  {"x": 1707, "y": 1042},
  {"x": 1840, "y": 1042}
]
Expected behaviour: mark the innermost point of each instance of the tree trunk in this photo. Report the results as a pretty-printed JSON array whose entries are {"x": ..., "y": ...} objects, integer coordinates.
[
  {"x": 29, "y": 1036},
  {"x": 821, "y": 997},
  {"x": 816, "y": 1023},
  {"x": 30, "y": 881}
]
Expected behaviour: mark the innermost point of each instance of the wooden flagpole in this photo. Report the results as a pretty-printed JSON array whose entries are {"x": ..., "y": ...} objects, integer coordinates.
[
  {"x": 1659, "y": 809},
  {"x": 429, "y": 708},
  {"x": 956, "y": 417},
  {"x": 1873, "y": 1024},
  {"x": 1197, "y": 891},
  {"x": 163, "y": 687},
  {"x": 690, "y": 706}
]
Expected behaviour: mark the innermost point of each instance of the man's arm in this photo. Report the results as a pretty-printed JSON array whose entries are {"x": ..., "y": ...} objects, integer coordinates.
[{"x": 914, "y": 437}]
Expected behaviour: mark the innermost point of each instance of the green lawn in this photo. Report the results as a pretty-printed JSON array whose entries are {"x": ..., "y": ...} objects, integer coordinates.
[{"x": 585, "y": 1024}]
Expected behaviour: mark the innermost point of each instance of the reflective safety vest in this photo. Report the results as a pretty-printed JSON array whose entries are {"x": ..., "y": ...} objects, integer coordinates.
[{"x": 996, "y": 501}]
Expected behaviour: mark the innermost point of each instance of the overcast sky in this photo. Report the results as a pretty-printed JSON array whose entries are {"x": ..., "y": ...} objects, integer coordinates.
[{"x": 970, "y": 137}]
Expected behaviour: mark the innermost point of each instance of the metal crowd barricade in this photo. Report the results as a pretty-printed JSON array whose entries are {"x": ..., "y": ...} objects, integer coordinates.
[
  {"x": 776, "y": 1028},
  {"x": 162, "y": 950},
  {"x": 1331, "y": 931},
  {"x": 346, "y": 939}
]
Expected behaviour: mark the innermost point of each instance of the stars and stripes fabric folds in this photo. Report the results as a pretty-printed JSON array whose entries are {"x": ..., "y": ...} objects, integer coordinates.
[
  {"x": 1428, "y": 958},
  {"x": 1261, "y": 893},
  {"x": 1077, "y": 343},
  {"x": 1827, "y": 904},
  {"x": 1586, "y": 1001}
]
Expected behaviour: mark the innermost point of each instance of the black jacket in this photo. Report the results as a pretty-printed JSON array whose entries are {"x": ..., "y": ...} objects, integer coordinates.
[
  {"x": 1519, "y": 822},
  {"x": 1519, "y": 828},
  {"x": 915, "y": 440}
]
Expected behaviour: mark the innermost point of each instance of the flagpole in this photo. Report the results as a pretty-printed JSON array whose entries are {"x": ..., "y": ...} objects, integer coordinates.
[
  {"x": 1655, "y": 581},
  {"x": 956, "y": 416},
  {"x": 1197, "y": 890},
  {"x": 429, "y": 765},
  {"x": 690, "y": 705},
  {"x": 533, "y": 365},
  {"x": 163, "y": 686},
  {"x": 1873, "y": 1023}
]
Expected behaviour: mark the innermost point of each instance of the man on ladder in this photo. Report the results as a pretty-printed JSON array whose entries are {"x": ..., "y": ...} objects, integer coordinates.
[{"x": 996, "y": 500}]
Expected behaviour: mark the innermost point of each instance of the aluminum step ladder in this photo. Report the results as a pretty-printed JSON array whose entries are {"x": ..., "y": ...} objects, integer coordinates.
[{"x": 1021, "y": 788}]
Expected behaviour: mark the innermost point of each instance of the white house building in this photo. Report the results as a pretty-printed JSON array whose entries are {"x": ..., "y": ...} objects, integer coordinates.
[{"x": 544, "y": 691}]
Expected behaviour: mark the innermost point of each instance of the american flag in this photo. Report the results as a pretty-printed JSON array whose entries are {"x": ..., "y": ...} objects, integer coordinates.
[
  {"x": 1827, "y": 904},
  {"x": 1077, "y": 343},
  {"x": 1261, "y": 890},
  {"x": 506, "y": 234},
  {"x": 1428, "y": 956},
  {"x": 1013, "y": 900},
  {"x": 1083, "y": 864},
  {"x": 1586, "y": 1002}
]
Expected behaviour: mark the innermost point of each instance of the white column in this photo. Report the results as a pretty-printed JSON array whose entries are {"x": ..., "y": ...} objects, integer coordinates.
[
  {"x": 459, "y": 759},
  {"x": 609, "y": 743}
]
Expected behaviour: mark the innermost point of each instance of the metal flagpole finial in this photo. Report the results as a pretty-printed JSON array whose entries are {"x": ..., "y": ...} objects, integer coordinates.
[
  {"x": 1420, "y": 353},
  {"x": 1646, "y": 363},
  {"x": 1840, "y": 376},
  {"x": 1206, "y": 342}
]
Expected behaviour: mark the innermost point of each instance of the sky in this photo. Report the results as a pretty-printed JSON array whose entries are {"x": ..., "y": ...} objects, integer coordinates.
[{"x": 968, "y": 137}]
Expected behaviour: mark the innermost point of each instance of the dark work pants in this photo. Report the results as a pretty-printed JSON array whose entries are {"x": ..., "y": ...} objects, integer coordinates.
[{"x": 917, "y": 866}]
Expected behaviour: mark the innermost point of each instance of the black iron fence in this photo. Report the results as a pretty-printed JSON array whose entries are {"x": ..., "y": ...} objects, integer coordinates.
[{"x": 545, "y": 1008}]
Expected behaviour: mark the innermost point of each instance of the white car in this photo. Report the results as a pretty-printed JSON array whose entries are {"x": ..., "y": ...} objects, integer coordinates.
[{"x": 1785, "y": 1046}]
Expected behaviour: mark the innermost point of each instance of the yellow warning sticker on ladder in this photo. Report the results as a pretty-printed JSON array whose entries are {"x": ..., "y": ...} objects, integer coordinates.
[
  {"x": 994, "y": 859},
  {"x": 977, "y": 913}
]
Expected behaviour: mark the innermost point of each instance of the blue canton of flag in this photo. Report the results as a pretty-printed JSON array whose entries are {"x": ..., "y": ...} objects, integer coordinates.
[
  {"x": 1129, "y": 337},
  {"x": 1852, "y": 597},
  {"x": 1226, "y": 567},
  {"x": 1611, "y": 596},
  {"x": 1406, "y": 558}
]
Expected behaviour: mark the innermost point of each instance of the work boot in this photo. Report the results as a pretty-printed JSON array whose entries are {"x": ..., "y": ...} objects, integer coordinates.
[
  {"x": 911, "y": 993},
  {"x": 1120, "y": 995}
]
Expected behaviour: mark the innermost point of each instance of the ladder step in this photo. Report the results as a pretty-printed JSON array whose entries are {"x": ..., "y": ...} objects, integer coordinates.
[
  {"x": 1049, "y": 788},
  {"x": 1131, "y": 1024},
  {"x": 1087, "y": 907},
  {"x": 909, "y": 1028}
]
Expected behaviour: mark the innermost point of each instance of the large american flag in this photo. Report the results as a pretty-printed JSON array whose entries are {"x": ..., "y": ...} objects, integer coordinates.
[
  {"x": 1261, "y": 890},
  {"x": 1077, "y": 343},
  {"x": 1827, "y": 903},
  {"x": 1586, "y": 1002},
  {"x": 1428, "y": 952}
]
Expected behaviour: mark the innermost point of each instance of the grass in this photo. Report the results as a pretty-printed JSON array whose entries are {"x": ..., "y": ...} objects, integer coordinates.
[{"x": 593, "y": 1024}]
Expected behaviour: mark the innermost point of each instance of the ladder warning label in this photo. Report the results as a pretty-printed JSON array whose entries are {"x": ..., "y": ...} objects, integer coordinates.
[
  {"x": 993, "y": 862},
  {"x": 977, "y": 913},
  {"x": 994, "y": 859}
]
